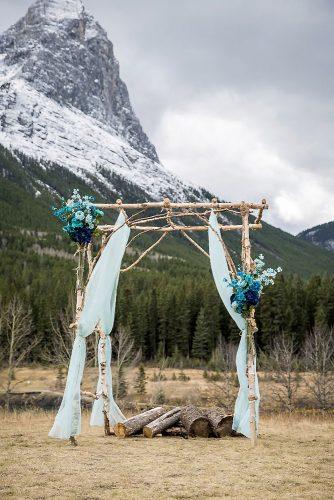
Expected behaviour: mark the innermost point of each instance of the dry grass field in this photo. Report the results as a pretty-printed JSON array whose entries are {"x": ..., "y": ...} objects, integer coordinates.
[
  {"x": 293, "y": 459},
  {"x": 196, "y": 390}
]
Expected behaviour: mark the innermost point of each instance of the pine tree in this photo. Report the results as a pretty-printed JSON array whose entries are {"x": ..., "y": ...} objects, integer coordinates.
[
  {"x": 121, "y": 385},
  {"x": 141, "y": 380},
  {"x": 159, "y": 397},
  {"x": 200, "y": 347},
  {"x": 320, "y": 317},
  {"x": 211, "y": 306},
  {"x": 152, "y": 325}
]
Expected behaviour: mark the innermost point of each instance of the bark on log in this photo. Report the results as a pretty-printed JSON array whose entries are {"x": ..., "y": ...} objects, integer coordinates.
[
  {"x": 135, "y": 424},
  {"x": 175, "y": 432},
  {"x": 195, "y": 422},
  {"x": 162, "y": 423},
  {"x": 221, "y": 424}
]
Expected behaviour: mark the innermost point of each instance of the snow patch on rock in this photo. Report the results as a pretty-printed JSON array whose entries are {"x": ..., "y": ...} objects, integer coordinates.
[{"x": 45, "y": 130}]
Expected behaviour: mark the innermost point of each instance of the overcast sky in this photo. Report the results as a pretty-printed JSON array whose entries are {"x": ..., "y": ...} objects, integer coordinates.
[{"x": 236, "y": 95}]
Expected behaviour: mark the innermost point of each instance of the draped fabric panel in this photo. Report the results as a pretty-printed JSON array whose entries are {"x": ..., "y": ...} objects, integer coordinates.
[
  {"x": 220, "y": 272},
  {"x": 101, "y": 290},
  {"x": 99, "y": 308},
  {"x": 68, "y": 419},
  {"x": 115, "y": 414}
]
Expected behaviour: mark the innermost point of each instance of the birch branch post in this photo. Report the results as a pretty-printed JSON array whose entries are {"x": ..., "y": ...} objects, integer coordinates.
[
  {"x": 104, "y": 391},
  {"x": 251, "y": 325},
  {"x": 79, "y": 284},
  {"x": 79, "y": 290}
]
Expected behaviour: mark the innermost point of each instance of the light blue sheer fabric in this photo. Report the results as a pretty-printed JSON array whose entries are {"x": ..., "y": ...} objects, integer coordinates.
[
  {"x": 68, "y": 419},
  {"x": 241, "y": 409},
  {"x": 115, "y": 414},
  {"x": 101, "y": 291},
  {"x": 99, "y": 307},
  {"x": 220, "y": 271}
]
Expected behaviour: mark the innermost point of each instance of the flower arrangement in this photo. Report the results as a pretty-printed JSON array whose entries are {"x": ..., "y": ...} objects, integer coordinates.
[
  {"x": 81, "y": 217},
  {"x": 247, "y": 287}
]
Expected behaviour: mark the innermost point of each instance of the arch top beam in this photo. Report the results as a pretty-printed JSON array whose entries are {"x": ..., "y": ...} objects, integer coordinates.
[{"x": 168, "y": 204}]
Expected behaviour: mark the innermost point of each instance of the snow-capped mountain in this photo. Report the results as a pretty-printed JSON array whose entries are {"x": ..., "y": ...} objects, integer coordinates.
[
  {"x": 322, "y": 235},
  {"x": 62, "y": 101}
]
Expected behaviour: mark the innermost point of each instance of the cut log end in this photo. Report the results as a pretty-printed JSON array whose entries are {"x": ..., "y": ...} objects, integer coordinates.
[
  {"x": 148, "y": 432},
  {"x": 195, "y": 422},
  {"x": 200, "y": 427},
  {"x": 120, "y": 430},
  {"x": 225, "y": 427},
  {"x": 221, "y": 424}
]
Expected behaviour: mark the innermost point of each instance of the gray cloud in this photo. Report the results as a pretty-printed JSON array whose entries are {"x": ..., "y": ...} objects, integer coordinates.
[{"x": 236, "y": 95}]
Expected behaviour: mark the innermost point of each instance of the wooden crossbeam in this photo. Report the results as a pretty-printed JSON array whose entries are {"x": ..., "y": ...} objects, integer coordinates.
[
  {"x": 168, "y": 204},
  {"x": 169, "y": 229}
]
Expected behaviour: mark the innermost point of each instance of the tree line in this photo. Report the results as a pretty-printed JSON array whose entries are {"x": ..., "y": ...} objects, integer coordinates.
[
  {"x": 284, "y": 364},
  {"x": 184, "y": 316},
  {"x": 172, "y": 314}
]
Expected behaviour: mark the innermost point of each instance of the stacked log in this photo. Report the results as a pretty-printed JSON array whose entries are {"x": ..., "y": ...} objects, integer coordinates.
[
  {"x": 135, "y": 424},
  {"x": 162, "y": 423},
  {"x": 187, "y": 421},
  {"x": 195, "y": 422},
  {"x": 220, "y": 422},
  {"x": 177, "y": 431}
]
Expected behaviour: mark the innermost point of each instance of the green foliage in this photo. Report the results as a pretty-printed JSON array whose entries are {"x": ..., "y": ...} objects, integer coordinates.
[
  {"x": 159, "y": 397},
  {"x": 121, "y": 385},
  {"x": 141, "y": 380},
  {"x": 170, "y": 304},
  {"x": 182, "y": 377},
  {"x": 159, "y": 377},
  {"x": 200, "y": 348}
]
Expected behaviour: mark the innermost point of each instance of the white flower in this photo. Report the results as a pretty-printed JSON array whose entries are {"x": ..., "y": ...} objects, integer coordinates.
[
  {"x": 79, "y": 215},
  {"x": 89, "y": 219},
  {"x": 75, "y": 195}
]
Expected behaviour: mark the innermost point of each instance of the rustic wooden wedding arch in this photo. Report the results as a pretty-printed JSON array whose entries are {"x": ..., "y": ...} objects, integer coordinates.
[{"x": 169, "y": 217}]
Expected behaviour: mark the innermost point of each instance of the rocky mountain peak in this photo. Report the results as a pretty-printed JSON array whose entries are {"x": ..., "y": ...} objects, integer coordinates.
[
  {"x": 55, "y": 10},
  {"x": 63, "y": 52}
]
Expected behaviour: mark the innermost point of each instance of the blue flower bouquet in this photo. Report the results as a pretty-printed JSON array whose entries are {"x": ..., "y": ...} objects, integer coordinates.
[
  {"x": 80, "y": 217},
  {"x": 247, "y": 287}
]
